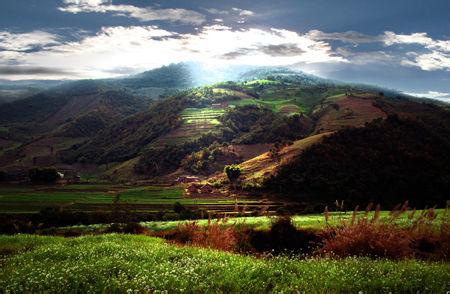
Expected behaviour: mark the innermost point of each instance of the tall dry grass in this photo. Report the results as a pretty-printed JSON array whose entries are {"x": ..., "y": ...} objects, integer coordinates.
[
  {"x": 420, "y": 236},
  {"x": 215, "y": 235}
]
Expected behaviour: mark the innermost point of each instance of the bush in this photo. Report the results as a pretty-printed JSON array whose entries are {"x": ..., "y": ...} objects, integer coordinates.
[{"x": 283, "y": 236}]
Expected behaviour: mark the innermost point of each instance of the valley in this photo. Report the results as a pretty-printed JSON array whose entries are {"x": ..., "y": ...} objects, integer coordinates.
[
  {"x": 159, "y": 147},
  {"x": 278, "y": 180},
  {"x": 262, "y": 122}
]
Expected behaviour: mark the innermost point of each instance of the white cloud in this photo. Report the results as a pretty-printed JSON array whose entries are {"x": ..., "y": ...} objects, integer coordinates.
[
  {"x": 216, "y": 11},
  {"x": 433, "y": 95},
  {"x": 87, "y": 2},
  {"x": 26, "y": 41},
  {"x": 391, "y": 38},
  {"x": 437, "y": 56},
  {"x": 430, "y": 61},
  {"x": 141, "y": 13},
  {"x": 434, "y": 54},
  {"x": 243, "y": 12},
  {"x": 140, "y": 48}
]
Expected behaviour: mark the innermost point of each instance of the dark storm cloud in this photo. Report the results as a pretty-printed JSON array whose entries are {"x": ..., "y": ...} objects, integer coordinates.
[
  {"x": 348, "y": 36},
  {"x": 31, "y": 70},
  {"x": 271, "y": 50},
  {"x": 281, "y": 50},
  {"x": 237, "y": 53}
]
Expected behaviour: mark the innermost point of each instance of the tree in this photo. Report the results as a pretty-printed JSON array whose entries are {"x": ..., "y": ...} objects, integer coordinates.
[
  {"x": 43, "y": 175},
  {"x": 233, "y": 173}
]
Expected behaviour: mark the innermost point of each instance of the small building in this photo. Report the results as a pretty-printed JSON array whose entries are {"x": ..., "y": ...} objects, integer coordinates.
[
  {"x": 206, "y": 189},
  {"x": 191, "y": 189}
]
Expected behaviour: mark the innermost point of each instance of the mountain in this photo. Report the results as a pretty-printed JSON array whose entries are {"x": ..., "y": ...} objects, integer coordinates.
[
  {"x": 174, "y": 76},
  {"x": 122, "y": 133},
  {"x": 11, "y": 91},
  {"x": 280, "y": 106}
]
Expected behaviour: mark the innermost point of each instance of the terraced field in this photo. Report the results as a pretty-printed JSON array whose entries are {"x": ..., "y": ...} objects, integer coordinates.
[
  {"x": 288, "y": 106},
  {"x": 195, "y": 122}
]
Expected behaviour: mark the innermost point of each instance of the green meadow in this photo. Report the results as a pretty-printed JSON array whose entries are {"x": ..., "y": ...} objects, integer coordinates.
[{"x": 136, "y": 264}]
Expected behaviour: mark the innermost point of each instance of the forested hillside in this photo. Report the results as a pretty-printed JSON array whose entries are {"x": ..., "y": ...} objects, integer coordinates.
[{"x": 388, "y": 161}]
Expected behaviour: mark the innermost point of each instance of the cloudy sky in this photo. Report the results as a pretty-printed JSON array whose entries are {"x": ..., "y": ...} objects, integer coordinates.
[{"x": 401, "y": 44}]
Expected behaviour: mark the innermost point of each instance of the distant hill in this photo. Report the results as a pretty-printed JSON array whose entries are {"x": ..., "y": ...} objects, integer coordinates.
[
  {"x": 58, "y": 106},
  {"x": 177, "y": 76}
]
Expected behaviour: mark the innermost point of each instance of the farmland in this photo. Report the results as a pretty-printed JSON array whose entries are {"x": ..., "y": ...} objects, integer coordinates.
[
  {"x": 276, "y": 105},
  {"x": 195, "y": 122},
  {"x": 126, "y": 263},
  {"x": 90, "y": 197}
]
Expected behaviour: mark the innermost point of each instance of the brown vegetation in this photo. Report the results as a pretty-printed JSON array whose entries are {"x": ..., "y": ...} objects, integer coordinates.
[{"x": 421, "y": 238}]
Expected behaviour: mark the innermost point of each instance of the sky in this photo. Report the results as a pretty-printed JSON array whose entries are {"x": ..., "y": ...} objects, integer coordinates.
[{"x": 401, "y": 44}]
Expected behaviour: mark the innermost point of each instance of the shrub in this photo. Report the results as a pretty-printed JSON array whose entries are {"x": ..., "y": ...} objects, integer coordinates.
[{"x": 283, "y": 236}]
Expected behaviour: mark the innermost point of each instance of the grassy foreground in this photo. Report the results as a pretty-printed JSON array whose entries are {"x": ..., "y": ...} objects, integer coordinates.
[{"x": 120, "y": 263}]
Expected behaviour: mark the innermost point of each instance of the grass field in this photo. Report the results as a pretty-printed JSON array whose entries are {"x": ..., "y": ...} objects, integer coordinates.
[
  {"x": 129, "y": 263},
  {"x": 16, "y": 199},
  {"x": 275, "y": 105},
  {"x": 310, "y": 221}
]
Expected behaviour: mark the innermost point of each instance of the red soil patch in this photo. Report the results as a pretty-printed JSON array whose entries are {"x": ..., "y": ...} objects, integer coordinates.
[
  {"x": 349, "y": 111},
  {"x": 251, "y": 150}
]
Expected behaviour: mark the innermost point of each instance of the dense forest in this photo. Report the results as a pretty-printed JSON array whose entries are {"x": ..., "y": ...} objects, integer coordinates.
[{"x": 388, "y": 161}]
